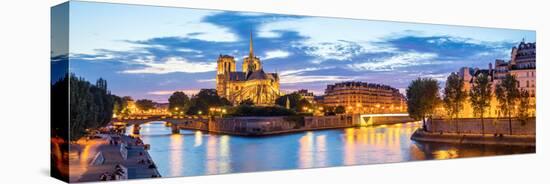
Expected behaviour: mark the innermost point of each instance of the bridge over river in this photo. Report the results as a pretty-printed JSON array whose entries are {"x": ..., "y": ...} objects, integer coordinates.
[{"x": 176, "y": 122}]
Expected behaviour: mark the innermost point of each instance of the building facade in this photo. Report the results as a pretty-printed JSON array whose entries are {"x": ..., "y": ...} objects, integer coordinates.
[
  {"x": 522, "y": 65},
  {"x": 363, "y": 98},
  {"x": 305, "y": 94},
  {"x": 252, "y": 83}
]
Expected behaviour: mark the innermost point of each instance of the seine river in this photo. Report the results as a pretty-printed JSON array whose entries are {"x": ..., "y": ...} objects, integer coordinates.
[{"x": 192, "y": 153}]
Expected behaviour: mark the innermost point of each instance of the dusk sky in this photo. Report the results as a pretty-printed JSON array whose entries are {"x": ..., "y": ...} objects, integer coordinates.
[{"x": 150, "y": 52}]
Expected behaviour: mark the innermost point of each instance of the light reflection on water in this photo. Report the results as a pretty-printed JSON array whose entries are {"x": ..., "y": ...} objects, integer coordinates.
[{"x": 198, "y": 153}]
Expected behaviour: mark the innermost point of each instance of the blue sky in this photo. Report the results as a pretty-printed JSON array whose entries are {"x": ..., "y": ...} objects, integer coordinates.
[{"x": 149, "y": 52}]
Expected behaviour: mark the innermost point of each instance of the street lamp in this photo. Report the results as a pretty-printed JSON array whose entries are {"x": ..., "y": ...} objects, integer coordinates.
[{"x": 222, "y": 112}]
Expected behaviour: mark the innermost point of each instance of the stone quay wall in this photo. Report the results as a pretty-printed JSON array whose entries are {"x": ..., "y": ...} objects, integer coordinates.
[
  {"x": 192, "y": 125},
  {"x": 384, "y": 120},
  {"x": 474, "y": 126},
  {"x": 277, "y": 124},
  {"x": 250, "y": 125},
  {"x": 320, "y": 122}
]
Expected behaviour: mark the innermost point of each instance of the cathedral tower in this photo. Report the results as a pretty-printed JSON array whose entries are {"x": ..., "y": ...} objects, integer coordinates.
[
  {"x": 250, "y": 84},
  {"x": 251, "y": 63},
  {"x": 226, "y": 65}
]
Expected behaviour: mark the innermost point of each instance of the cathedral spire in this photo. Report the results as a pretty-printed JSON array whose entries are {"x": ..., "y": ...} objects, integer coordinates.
[{"x": 251, "y": 51}]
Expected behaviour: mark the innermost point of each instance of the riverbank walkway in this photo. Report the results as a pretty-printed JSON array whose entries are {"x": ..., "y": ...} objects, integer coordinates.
[{"x": 101, "y": 157}]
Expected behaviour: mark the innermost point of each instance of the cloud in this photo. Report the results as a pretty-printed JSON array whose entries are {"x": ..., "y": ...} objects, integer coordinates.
[
  {"x": 171, "y": 65},
  {"x": 447, "y": 47},
  {"x": 93, "y": 57},
  {"x": 300, "y": 76},
  {"x": 276, "y": 54},
  {"x": 303, "y": 70},
  {"x": 212, "y": 33},
  {"x": 294, "y": 79},
  {"x": 340, "y": 50},
  {"x": 242, "y": 24},
  {"x": 395, "y": 62},
  {"x": 206, "y": 80},
  {"x": 442, "y": 77}
]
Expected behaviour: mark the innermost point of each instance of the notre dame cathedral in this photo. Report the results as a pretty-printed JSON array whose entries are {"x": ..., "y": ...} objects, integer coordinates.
[{"x": 251, "y": 83}]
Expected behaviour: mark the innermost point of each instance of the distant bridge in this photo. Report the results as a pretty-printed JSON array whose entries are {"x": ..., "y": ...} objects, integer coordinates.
[{"x": 176, "y": 122}]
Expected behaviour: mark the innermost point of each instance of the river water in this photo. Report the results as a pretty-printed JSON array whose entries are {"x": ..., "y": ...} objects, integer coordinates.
[{"x": 192, "y": 153}]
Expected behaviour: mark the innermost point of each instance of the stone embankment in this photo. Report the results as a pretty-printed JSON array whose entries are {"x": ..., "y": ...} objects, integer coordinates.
[{"x": 493, "y": 131}]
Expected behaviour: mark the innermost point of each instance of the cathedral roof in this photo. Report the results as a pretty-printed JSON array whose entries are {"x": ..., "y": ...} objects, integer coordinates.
[
  {"x": 237, "y": 76},
  {"x": 256, "y": 75},
  {"x": 259, "y": 75}
]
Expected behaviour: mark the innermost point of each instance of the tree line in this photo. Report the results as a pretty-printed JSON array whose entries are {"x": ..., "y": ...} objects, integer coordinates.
[
  {"x": 289, "y": 104},
  {"x": 423, "y": 97},
  {"x": 90, "y": 105}
]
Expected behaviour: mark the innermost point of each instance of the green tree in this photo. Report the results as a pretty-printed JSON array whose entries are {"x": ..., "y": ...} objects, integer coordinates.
[
  {"x": 205, "y": 99},
  {"x": 117, "y": 106},
  {"x": 303, "y": 105},
  {"x": 454, "y": 95},
  {"x": 145, "y": 104},
  {"x": 507, "y": 94},
  {"x": 422, "y": 98},
  {"x": 91, "y": 106},
  {"x": 524, "y": 106},
  {"x": 126, "y": 105},
  {"x": 480, "y": 97},
  {"x": 178, "y": 101},
  {"x": 340, "y": 110},
  {"x": 293, "y": 99}
]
